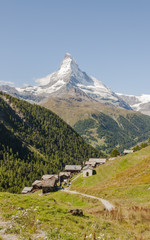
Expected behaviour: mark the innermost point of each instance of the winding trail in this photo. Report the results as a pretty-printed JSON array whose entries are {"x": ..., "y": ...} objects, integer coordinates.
[{"x": 107, "y": 204}]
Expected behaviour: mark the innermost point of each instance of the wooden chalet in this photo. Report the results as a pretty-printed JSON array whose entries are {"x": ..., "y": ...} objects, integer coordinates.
[
  {"x": 49, "y": 176},
  {"x": 49, "y": 185}
]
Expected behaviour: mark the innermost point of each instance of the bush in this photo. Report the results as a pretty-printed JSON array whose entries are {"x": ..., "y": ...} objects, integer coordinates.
[{"x": 114, "y": 153}]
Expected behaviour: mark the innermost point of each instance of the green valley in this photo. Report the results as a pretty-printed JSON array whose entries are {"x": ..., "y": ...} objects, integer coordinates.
[{"x": 104, "y": 127}]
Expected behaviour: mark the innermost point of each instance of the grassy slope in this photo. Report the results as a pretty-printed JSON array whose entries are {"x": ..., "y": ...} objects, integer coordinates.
[
  {"x": 125, "y": 178},
  {"x": 124, "y": 182},
  {"x": 52, "y": 212}
]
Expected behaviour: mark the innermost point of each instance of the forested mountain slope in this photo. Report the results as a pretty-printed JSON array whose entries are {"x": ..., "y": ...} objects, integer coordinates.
[
  {"x": 34, "y": 141},
  {"x": 104, "y": 127},
  {"x": 107, "y": 131}
]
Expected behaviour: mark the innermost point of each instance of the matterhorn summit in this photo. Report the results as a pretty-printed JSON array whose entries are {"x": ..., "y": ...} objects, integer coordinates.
[{"x": 69, "y": 81}]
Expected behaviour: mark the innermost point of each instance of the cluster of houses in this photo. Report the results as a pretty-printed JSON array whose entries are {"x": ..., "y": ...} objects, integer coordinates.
[{"x": 48, "y": 183}]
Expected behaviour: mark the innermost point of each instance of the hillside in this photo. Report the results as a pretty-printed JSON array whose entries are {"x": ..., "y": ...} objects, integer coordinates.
[
  {"x": 103, "y": 118},
  {"x": 104, "y": 127},
  {"x": 126, "y": 178},
  {"x": 34, "y": 141},
  {"x": 123, "y": 182}
]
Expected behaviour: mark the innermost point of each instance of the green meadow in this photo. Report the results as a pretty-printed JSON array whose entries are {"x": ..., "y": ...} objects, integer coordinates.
[{"x": 124, "y": 182}]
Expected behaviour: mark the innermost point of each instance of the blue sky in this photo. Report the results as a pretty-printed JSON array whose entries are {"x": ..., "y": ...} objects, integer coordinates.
[{"x": 110, "y": 39}]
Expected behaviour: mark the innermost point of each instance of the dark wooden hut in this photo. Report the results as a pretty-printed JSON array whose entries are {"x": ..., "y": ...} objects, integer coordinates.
[{"x": 49, "y": 185}]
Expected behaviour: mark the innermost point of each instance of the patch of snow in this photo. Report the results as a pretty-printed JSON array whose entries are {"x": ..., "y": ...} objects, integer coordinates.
[
  {"x": 144, "y": 98},
  {"x": 127, "y": 95}
]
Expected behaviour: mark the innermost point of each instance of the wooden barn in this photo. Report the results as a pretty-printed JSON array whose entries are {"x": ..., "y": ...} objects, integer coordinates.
[{"x": 49, "y": 185}]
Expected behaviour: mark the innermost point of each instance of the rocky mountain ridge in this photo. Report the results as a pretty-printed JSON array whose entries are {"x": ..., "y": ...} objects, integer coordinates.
[
  {"x": 68, "y": 81},
  {"x": 138, "y": 103}
]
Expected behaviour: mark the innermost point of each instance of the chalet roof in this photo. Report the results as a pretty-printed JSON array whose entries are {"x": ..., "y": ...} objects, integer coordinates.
[
  {"x": 126, "y": 151},
  {"x": 98, "y": 160},
  {"x": 87, "y": 167},
  {"x": 37, "y": 183},
  {"x": 27, "y": 189},
  {"x": 49, "y": 176},
  {"x": 49, "y": 182},
  {"x": 91, "y": 163},
  {"x": 73, "y": 167},
  {"x": 67, "y": 174}
]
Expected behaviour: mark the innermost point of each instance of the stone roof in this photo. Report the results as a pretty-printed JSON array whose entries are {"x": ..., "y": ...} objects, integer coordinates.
[
  {"x": 73, "y": 167},
  {"x": 88, "y": 167},
  {"x": 27, "y": 189},
  {"x": 49, "y": 182},
  {"x": 49, "y": 176},
  {"x": 91, "y": 163},
  {"x": 37, "y": 183},
  {"x": 67, "y": 174},
  {"x": 98, "y": 160}
]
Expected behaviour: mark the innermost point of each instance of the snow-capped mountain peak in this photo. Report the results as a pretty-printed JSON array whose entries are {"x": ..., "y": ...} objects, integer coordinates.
[
  {"x": 66, "y": 65},
  {"x": 70, "y": 81}
]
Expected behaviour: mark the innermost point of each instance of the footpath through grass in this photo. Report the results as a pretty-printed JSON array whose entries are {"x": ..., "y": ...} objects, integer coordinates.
[
  {"x": 32, "y": 214},
  {"x": 125, "y": 177},
  {"x": 124, "y": 182}
]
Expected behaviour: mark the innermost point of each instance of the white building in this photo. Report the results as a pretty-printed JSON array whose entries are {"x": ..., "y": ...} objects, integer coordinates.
[
  {"x": 87, "y": 171},
  {"x": 127, "y": 151}
]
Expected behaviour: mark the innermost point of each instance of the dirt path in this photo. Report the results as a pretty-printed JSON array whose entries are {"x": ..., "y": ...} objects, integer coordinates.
[
  {"x": 107, "y": 204},
  {"x": 76, "y": 177}
]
